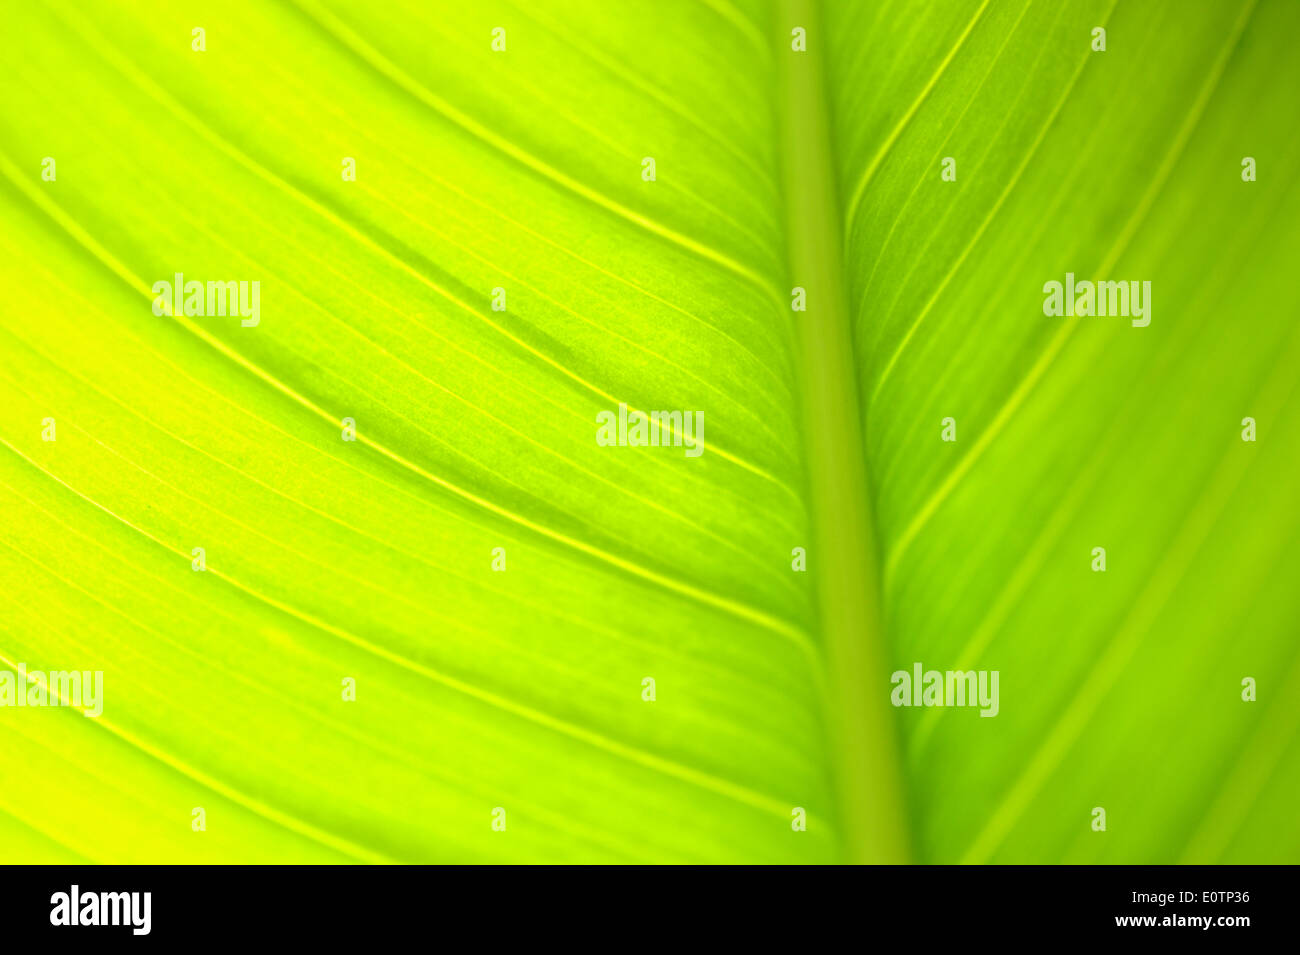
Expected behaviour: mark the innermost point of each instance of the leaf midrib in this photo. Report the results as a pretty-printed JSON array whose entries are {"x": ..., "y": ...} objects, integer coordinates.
[{"x": 843, "y": 555}]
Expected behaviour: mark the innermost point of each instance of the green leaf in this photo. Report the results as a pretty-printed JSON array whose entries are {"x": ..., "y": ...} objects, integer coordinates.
[{"x": 496, "y": 584}]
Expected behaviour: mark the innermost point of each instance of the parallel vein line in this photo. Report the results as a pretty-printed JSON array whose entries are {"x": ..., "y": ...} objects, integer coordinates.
[
  {"x": 985, "y": 223},
  {"x": 1066, "y": 329},
  {"x": 1181, "y": 555},
  {"x": 197, "y": 124},
  {"x": 433, "y": 774},
  {"x": 283, "y": 819},
  {"x": 648, "y": 760},
  {"x": 734, "y": 607},
  {"x": 391, "y": 71},
  {"x": 903, "y": 123}
]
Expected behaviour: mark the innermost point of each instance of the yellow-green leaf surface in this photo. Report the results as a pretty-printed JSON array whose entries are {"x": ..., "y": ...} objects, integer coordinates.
[{"x": 498, "y": 585}]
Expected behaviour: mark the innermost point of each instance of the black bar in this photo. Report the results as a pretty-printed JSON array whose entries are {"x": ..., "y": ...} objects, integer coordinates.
[{"x": 332, "y": 905}]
